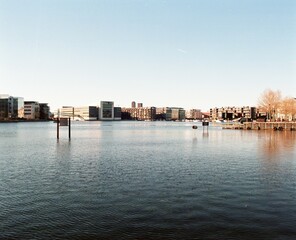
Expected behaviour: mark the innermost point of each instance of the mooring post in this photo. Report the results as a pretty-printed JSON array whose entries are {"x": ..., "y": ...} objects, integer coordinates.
[
  {"x": 58, "y": 127},
  {"x": 69, "y": 128}
]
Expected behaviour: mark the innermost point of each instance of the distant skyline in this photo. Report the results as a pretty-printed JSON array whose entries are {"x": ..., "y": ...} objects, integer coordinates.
[{"x": 183, "y": 53}]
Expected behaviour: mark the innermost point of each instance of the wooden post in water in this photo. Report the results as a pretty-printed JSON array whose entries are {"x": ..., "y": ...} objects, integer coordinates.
[
  {"x": 69, "y": 128},
  {"x": 58, "y": 127}
]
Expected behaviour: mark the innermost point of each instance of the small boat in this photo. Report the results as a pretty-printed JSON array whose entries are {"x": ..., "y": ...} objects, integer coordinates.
[{"x": 194, "y": 127}]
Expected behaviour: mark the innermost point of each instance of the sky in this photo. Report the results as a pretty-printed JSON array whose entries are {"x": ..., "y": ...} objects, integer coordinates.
[{"x": 164, "y": 53}]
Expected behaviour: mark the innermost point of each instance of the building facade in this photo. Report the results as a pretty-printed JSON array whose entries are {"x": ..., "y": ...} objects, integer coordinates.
[
  {"x": 117, "y": 113},
  {"x": 140, "y": 113},
  {"x": 106, "y": 111},
  {"x": 231, "y": 113},
  {"x": 87, "y": 113},
  {"x": 194, "y": 114},
  {"x": 66, "y": 112},
  {"x": 3, "y": 108},
  {"x": 31, "y": 110},
  {"x": 44, "y": 111},
  {"x": 11, "y": 107},
  {"x": 170, "y": 114}
]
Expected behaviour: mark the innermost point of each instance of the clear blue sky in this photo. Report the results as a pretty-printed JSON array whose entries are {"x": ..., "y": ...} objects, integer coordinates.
[{"x": 186, "y": 53}]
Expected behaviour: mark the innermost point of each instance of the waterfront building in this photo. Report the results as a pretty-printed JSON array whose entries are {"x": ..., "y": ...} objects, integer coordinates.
[
  {"x": 17, "y": 109},
  {"x": 31, "y": 110},
  {"x": 87, "y": 113},
  {"x": 3, "y": 107},
  {"x": 230, "y": 113},
  {"x": 249, "y": 112},
  {"x": 170, "y": 114},
  {"x": 66, "y": 112},
  {"x": 44, "y": 111},
  {"x": 178, "y": 114},
  {"x": 140, "y": 105},
  {"x": 117, "y": 113},
  {"x": 133, "y": 104},
  {"x": 106, "y": 111},
  {"x": 194, "y": 114},
  {"x": 11, "y": 107},
  {"x": 140, "y": 113},
  {"x": 182, "y": 114},
  {"x": 161, "y": 113}
]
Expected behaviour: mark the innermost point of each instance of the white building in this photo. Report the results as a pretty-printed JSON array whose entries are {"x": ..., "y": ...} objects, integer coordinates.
[
  {"x": 31, "y": 110},
  {"x": 87, "y": 113}
]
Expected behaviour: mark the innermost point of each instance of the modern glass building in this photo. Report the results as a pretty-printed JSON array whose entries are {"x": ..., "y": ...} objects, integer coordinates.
[
  {"x": 117, "y": 113},
  {"x": 107, "y": 110},
  {"x": 3, "y": 108},
  {"x": 44, "y": 111},
  {"x": 17, "y": 108},
  {"x": 11, "y": 107}
]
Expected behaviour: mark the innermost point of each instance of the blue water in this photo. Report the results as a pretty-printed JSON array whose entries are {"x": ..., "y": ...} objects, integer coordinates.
[{"x": 146, "y": 180}]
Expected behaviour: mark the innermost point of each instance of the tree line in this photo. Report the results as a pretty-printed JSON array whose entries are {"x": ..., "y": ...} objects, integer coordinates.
[{"x": 275, "y": 105}]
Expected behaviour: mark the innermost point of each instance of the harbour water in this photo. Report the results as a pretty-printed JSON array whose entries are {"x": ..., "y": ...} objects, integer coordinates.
[{"x": 146, "y": 180}]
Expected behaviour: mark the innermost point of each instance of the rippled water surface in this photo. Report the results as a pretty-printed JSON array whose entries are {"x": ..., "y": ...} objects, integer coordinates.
[{"x": 146, "y": 180}]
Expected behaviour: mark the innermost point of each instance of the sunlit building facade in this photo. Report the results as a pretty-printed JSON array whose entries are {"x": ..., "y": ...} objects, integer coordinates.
[
  {"x": 230, "y": 113},
  {"x": 31, "y": 110},
  {"x": 86, "y": 113},
  {"x": 194, "y": 114},
  {"x": 139, "y": 113},
  {"x": 11, "y": 107}
]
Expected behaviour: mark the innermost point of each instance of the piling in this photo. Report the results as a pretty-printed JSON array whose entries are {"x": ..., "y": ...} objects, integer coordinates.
[
  {"x": 69, "y": 128},
  {"x": 58, "y": 128}
]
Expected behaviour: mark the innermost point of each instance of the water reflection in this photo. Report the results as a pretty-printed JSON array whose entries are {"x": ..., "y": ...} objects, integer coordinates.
[
  {"x": 274, "y": 144},
  {"x": 205, "y": 134}
]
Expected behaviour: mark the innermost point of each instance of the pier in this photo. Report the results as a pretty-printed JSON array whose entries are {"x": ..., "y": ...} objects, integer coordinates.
[{"x": 277, "y": 126}]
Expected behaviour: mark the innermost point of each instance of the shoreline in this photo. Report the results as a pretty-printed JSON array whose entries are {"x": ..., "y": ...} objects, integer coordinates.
[{"x": 24, "y": 120}]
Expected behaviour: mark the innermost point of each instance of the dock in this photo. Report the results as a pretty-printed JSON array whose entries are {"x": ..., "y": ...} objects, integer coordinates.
[{"x": 276, "y": 126}]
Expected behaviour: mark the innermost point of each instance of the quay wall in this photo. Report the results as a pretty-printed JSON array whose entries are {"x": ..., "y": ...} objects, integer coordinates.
[{"x": 291, "y": 126}]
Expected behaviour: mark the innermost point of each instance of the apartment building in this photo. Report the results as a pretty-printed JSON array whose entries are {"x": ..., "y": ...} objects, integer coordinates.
[
  {"x": 230, "y": 113},
  {"x": 194, "y": 114},
  {"x": 139, "y": 113},
  {"x": 31, "y": 110}
]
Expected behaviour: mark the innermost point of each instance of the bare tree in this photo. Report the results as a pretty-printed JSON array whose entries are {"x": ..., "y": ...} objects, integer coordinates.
[
  {"x": 292, "y": 108},
  {"x": 288, "y": 107},
  {"x": 270, "y": 102},
  {"x": 293, "y": 112}
]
